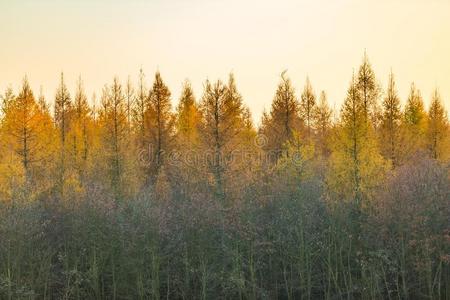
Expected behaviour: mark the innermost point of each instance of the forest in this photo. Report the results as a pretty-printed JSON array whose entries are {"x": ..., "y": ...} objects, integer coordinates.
[{"x": 123, "y": 195}]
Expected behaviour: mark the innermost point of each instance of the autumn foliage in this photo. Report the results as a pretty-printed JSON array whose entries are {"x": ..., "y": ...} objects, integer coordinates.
[{"x": 128, "y": 196}]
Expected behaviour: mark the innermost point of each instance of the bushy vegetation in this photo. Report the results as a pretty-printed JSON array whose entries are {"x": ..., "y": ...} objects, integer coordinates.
[{"x": 291, "y": 247}]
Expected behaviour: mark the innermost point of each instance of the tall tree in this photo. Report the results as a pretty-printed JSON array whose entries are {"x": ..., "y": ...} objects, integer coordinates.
[
  {"x": 129, "y": 96},
  {"x": 79, "y": 129},
  {"x": 6, "y": 99},
  {"x": 114, "y": 136},
  {"x": 222, "y": 126},
  {"x": 322, "y": 121},
  {"x": 414, "y": 109},
  {"x": 138, "y": 112},
  {"x": 43, "y": 105},
  {"x": 307, "y": 107},
  {"x": 390, "y": 123},
  {"x": 28, "y": 134},
  {"x": 188, "y": 120},
  {"x": 355, "y": 162},
  {"x": 438, "y": 129},
  {"x": 283, "y": 120},
  {"x": 415, "y": 122},
  {"x": 63, "y": 114},
  {"x": 238, "y": 135},
  {"x": 160, "y": 125},
  {"x": 188, "y": 117},
  {"x": 63, "y": 110},
  {"x": 212, "y": 107},
  {"x": 367, "y": 86}
]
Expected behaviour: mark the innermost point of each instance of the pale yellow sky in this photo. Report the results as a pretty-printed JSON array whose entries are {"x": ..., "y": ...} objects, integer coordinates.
[{"x": 201, "y": 39}]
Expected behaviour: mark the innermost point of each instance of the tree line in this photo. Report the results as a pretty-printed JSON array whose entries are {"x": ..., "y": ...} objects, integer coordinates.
[{"x": 127, "y": 196}]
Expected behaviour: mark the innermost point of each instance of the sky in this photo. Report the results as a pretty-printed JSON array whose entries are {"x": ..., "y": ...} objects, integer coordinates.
[{"x": 199, "y": 39}]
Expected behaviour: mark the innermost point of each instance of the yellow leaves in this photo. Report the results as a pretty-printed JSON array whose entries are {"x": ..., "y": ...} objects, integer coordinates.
[
  {"x": 73, "y": 189},
  {"x": 355, "y": 165},
  {"x": 415, "y": 121},
  {"x": 28, "y": 134},
  {"x": 77, "y": 144},
  {"x": 297, "y": 162},
  {"x": 188, "y": 118},
  {"x": 438, "y": 129},
  {"x": 12, "y": 176},
  {"x": 352, "y": 173}
]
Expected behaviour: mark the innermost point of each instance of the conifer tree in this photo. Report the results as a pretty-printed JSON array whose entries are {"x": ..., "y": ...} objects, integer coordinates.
[
  {"x": 211, "y": 107},
  {"x": 415, "y": 122},
  {"x": 188, "y": 117},
  {"x": 22, "y": 124},
  {"x": 63, "y": 115},
  {"x": 140, "y": 107},
  {"x": 6, "y": 99},
  {"x": 159, "y": 120},
  {"x": 114, "y": 136},
  {"x": 95, "y": 107},
  {"x": 239, "y": 140},
  {"x": 322, "y": 121},
  {"x": 63, "y": 110},
  {"x": 353, "y": 114},
  {"x": 414, "y": 109},
  {"x": 367, "y": 86},
  {"x": 188, "y": 144},
  {"x": 355, "y": 162},
  {"x": 81, "y": 106},
  {"x": 283, "y": 120},
  {"x": 221, "y": 131},
  {"x": 129, "y": 96},
  {"x": 43, "y": 105},
  {"x": 307, "y": 107},
  {"x": 79, "y": 130},
  {"x": 27, "y": 134},
  {"x": 232, "y": 114},
  {"x": 438, "y": 129},
  {"x": 390, "y": 123}
]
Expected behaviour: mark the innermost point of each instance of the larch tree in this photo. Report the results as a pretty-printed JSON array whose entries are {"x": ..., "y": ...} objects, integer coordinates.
[
  {"x": 415, "y": 123},
  {"x": 139, "y": 127},
  {"x": 95, "y": 107},
  {"x": 188, "y": 117},
  {"x": 129, "y": 96},
  {"x": 438, "y": 129},
  {"x": 368, "y": 89},
  {"x": 283, "y": 120},
  {"x": 79, "y": 130},
  {"x": 6, "y": 99},
  {"x": 139, "y": 108},
  {"x": 323, "y": 123},
  {"x": 63, "y": 115},
  {"x": 414, "y": 110},
  {"x": 307, "y": 108},
  {"x": 222, "y": 126},
  {"x": 114, "y": 137},
  {"x": 63, "y": 110},
  {"x": 211, "y": 107},
  {"x": 43, "y": 105},
  {"x": 390, "y": 123},
  {"x": 238, "y": 135},
  {"x": 159, "y": 121},
  {"x": 28, "y": 137},
  {"x": 356, "y": 165},
  {"x": 233, "y": 113},
  {"x": 47, "y": 134},
  {"x": 188, "y": 120}
]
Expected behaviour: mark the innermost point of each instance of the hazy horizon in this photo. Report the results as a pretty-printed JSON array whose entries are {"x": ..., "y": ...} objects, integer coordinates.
[{"x": 256, "y": 40}]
